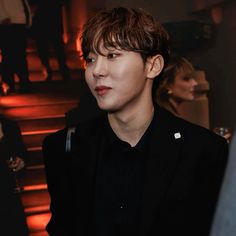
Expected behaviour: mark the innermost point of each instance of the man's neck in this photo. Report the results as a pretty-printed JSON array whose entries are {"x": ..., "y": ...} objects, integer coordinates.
[{"x": 130, "y": 126}]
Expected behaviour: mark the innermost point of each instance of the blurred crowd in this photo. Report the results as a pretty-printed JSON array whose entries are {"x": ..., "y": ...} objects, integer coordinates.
[{"x": 41, "y": 21}]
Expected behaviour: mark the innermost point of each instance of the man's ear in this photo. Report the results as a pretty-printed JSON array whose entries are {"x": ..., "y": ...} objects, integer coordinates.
[{"x": 154, "y": 66}]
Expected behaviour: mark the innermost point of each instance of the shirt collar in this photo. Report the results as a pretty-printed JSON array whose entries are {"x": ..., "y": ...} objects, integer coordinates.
[{"x": 113, "y": 139}]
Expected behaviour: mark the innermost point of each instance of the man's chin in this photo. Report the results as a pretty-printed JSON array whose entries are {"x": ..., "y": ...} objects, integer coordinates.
[{"x": 107, "y": 109}]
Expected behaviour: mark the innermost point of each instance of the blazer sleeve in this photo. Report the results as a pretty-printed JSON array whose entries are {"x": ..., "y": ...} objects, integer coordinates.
[
  {"x": 224, "y": 219},
  {"x": 206, "y": 187}
]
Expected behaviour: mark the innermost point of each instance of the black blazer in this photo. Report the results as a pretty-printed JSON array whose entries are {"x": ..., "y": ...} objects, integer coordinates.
[{"x": 183, "y": 176}]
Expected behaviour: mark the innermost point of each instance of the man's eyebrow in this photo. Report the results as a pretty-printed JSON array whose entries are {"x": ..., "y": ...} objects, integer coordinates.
[{"x": 92, "y": 51}]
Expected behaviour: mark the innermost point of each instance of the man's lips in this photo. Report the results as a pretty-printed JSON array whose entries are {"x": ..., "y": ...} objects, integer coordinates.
[{"x": 101, "y": 90}]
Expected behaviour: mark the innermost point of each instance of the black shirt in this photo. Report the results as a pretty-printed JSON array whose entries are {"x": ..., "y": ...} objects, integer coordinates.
[{"x": 119, "y": 185}]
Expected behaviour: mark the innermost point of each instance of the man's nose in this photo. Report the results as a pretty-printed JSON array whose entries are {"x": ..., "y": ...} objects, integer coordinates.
[{"x": 100, "y": 68}]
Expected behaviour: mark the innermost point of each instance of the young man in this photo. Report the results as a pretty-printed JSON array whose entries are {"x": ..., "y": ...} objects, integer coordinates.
[{"x": 138, "y": 170}]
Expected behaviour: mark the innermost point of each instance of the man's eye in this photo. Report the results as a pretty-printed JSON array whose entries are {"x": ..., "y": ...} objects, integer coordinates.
[
  {"x": 90, "y": 60},
  {"x": 112, "y": 55}
]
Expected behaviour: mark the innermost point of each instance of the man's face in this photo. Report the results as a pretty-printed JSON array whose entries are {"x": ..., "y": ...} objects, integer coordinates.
[{"x": 117, "y": 79}]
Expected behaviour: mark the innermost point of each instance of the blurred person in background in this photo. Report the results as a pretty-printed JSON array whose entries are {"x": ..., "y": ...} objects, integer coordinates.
[
  {"x": 177, "y": 86},
  {"x": 47, "y": 30},
  {"x": 15, "y": 17},
  {"x": 12, "y": 160}
]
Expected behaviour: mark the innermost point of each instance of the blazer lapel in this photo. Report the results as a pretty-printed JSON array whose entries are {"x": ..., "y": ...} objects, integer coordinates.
[
  {"x": 88, "y": 147},
  {"x": 165, "y": 149},
  {"x": 95, "y": 150}
]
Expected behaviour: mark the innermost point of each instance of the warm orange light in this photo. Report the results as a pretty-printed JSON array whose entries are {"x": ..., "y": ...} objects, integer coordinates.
[
  {"x": 78, "y": 45},
  {"x": 35, "y": 187},
  {"x": 5, "y": 88},
  {"x": 80, "y": 20},
  {"x": 217, "y": 14},
  {"x": 7, "y": 101},
  {"x": 38, "y": 222}
]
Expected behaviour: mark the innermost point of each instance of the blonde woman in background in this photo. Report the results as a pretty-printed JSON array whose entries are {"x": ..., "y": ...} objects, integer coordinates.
[{"x": 178, "y": 85}]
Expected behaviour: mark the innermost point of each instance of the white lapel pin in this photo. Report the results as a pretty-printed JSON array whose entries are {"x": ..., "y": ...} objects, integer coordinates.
[{"x": 177, "y": 135}]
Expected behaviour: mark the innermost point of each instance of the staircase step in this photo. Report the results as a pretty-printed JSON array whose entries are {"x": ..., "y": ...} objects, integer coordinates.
[
  {"x": 56, "y": 122},
  {"x": 44, "y": 95},
  {"x": 38, "y": 222},
  {"x": 38, "y": 187},
  {"x": 39, "y": 233},
  {"x": 32, "y": 177},
  {"x": 37, "y": 210},
  {"x": 35, "y": 156},
  {"x": 35, "y": 199},
  {"x": 37, "y": 75},
  {"x": 19, "y": 113},
  {"x": 35, "y": 138}
]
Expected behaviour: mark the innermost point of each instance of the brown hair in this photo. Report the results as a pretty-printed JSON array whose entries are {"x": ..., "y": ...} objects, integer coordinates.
[
  {"x": 177, "y": 65},
  {"x": 127, "y": 29}
]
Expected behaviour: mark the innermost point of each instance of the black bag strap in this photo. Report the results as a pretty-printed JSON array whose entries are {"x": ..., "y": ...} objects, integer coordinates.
[{"x": 70, "y": 132}]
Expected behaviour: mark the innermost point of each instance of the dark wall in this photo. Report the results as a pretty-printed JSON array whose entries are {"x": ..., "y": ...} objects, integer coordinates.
[{"x": 219, "y": 63}]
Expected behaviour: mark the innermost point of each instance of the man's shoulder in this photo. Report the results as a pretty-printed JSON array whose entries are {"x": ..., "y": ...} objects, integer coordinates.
[
  {"x": 191, "y": 131},
  {"x": 198, "y": 132},
  {"x": 54, "y": 141},
  {"x": 83, "y": 130}
]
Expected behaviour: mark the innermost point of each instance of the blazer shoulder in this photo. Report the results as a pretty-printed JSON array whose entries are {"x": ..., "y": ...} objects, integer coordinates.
[
  {"x": 83, "y": 130},
  {"x": 203, "y": 135},
  {"x": 55, "y": 141},
  {"x": 194, "y": 131}
]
